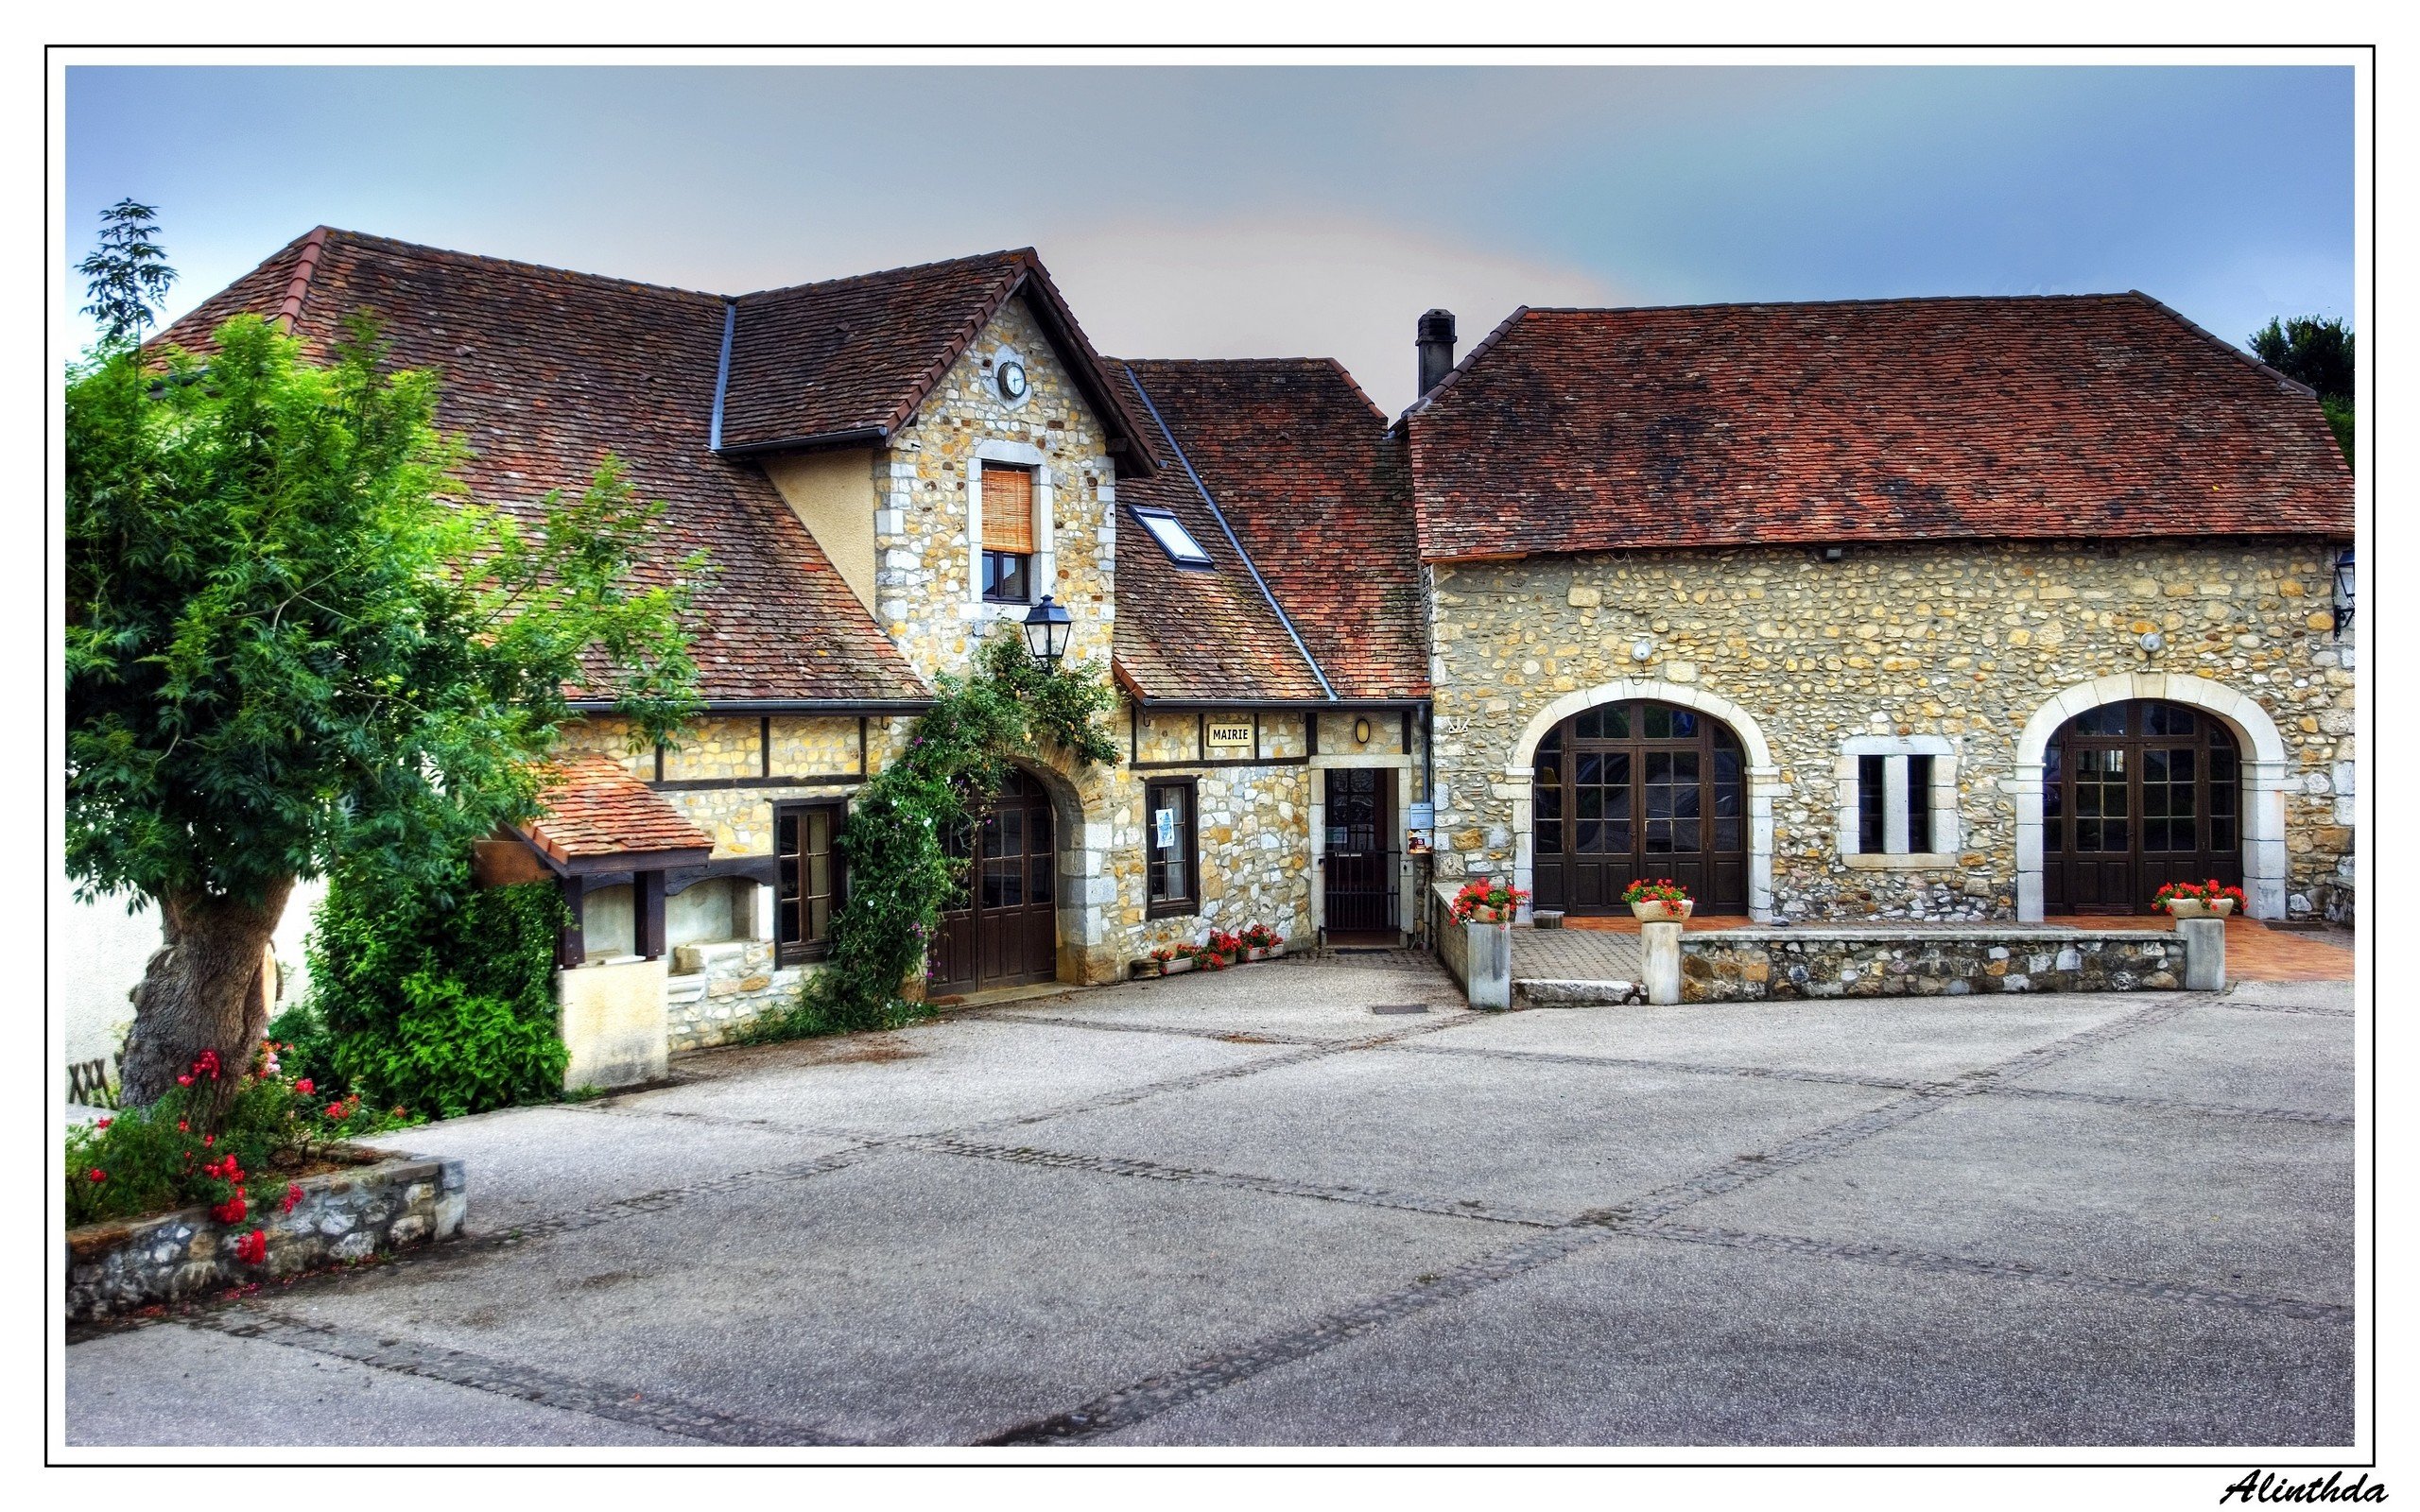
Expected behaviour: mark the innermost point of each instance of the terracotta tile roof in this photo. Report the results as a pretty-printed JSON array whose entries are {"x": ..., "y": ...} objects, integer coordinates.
[
  {"x": 1187, "y": 634},
  {"x": 1301, "y": 464},
  {"x": 594, "y": 807},
  {"x": 543, "y": 373},
  {"x": 1896, "y": 419},
  {"x": 857, "y": 356}
]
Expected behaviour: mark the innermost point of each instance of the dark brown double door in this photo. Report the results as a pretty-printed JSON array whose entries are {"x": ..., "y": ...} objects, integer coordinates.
[
  {"x": 1006, "y": 932},
  {"x": 2135, "y": 795},
  {"x": 1359, "y": 858},
  {"x": 1634, "y": 790}
]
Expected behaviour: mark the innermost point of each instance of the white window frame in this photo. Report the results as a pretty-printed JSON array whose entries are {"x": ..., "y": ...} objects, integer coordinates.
[
  {"x": 1043, "y": 571},
  {"x": 1942, "y": 801}
]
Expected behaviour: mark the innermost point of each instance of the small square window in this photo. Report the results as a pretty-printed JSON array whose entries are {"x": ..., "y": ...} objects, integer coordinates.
[{"x": 1174, "y": 538}]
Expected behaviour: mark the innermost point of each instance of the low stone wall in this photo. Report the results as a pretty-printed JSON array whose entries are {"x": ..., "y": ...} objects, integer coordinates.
[
  {"x": 1744, "y": 965},
  {"x": 373, "y": 1209},
  {"x": 719, "y": 988}
]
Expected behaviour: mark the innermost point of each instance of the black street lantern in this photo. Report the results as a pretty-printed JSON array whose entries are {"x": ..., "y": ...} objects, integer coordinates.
[
  {"x": 2343, "y": 593},
  {"x": 1046, "y": 632}
]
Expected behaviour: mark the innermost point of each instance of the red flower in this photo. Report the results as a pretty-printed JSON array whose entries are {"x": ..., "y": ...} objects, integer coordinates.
[
  {"x": 101, "y": 1124},
  {"x": 183, "y": 1127},
  {"x": 100, "y": 1175},
  {"x": 252, "y": 1248},
  {"x": 231, "y": 1210},
  {"x": 293, "y": 1195},
  {"x": 335, "y": 1109},
  {"x": 304, "y": 1086},
  {"x": 208, "y": 1139},
  {"x": 184, "y": 1081}
]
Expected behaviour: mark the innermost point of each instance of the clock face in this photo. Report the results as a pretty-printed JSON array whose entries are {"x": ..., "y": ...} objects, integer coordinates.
[{"x": 1012, "y": 380}]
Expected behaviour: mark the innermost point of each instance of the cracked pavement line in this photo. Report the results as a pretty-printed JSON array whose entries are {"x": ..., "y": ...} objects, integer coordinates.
[{"x": 476, "y": 1372}]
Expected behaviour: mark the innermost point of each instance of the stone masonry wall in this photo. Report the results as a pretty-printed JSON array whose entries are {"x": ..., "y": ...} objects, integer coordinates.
[
  {"x": 1726, "y": 966},
  {"x": 344, "y": 1215},
  {"x": 1964, "y": 641},
  {"x": 924, "y": 598}
]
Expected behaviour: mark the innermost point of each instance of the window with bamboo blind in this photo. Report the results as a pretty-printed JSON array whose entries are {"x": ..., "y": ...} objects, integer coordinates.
[{"x": 1008, "y": 532}]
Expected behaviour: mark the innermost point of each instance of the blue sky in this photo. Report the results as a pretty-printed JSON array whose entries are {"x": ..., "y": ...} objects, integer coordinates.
[{"x": 1263, "y": 211}]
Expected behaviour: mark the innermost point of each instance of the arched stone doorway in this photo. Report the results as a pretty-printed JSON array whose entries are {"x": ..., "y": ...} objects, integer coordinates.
[
  {"x": 1633, "y": 759},
  {"x": 2135, "y": 795},
  {"x": 2132, "y": 744},
  {"x": 1024, "y": 918}
]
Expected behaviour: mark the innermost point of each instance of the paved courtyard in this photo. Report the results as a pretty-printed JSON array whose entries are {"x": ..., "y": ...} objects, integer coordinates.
[{"x": 1314, "y": 1202}]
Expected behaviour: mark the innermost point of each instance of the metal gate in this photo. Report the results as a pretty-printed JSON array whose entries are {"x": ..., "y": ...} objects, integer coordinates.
[{"x": 1361, "y": 863}]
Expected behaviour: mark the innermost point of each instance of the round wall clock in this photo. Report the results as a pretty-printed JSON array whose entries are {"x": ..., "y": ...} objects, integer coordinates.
[{"x": 1012, "y": 378}]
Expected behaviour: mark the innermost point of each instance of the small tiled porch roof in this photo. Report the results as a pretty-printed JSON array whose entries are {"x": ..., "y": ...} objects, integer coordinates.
[{"x": 598, "y": 818}]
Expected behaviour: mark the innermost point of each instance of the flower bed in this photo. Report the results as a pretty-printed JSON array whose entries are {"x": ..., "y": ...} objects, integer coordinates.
[
  {"x": 371, "y": 1205},
  {"x": 1223, "y": 949}
]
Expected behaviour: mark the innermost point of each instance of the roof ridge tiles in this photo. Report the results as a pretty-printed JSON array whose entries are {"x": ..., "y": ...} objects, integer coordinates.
[
  {"x": 2113, "y": 296},
  {"x": 448, "y": 254},
  {"x": 1026, "y": 257}
]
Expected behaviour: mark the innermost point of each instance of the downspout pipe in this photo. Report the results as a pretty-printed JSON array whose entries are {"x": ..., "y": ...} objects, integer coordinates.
[{"x": 1241, "y": 555}]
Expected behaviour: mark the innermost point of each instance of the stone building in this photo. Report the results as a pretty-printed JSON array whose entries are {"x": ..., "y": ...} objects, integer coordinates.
[
  {"x": 882, "y": 472},
  {"x": 1944, "y": 608},
  {"x": 1937, "y": 608}
]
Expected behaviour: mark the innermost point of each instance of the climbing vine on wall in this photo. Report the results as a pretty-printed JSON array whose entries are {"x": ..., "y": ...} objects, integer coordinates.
[{"x": 901, "y": 876}]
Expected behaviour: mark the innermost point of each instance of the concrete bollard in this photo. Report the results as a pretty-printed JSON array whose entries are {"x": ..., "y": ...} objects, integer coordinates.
[
  {"x": 2206, "y": 954},
  {"x": 1660, "y": 945},
  {"x": 1490, "y": 960}
]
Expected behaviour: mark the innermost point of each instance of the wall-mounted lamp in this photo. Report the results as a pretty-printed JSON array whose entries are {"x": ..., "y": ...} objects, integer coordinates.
[
  {"x": 2151, "y": 641},
  {"x": 2342, "y": 593},
  {"x": 1642, "y": 649},
  {"x": 1361, "y": 732},
  {"x": 1046, "y": 626}
]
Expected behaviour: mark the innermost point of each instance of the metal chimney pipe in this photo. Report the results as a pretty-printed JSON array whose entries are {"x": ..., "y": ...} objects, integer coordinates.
[{"x": 1436, "y": 347}]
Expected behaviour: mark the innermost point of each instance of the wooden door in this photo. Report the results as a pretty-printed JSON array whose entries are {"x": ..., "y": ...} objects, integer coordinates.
[
  {"x": 1004, "y": 933},
  {"x": 2135, "y": 795},
  {"x": 1634, "y": 790},
  {"x": 1360, "y": 881}
]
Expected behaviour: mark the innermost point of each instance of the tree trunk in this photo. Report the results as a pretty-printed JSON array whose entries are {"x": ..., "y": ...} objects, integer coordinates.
[{"x": 203, "y": 990}]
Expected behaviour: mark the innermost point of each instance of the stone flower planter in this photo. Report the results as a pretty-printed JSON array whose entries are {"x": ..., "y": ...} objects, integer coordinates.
[
  {"x": 374, "y": 1208},
  {"x": 1263, "y": 953},
  {"x": 1175, "y": 968},
  {"x": 1656, "y": 911},
  {"x": 2197, "y": 908}
]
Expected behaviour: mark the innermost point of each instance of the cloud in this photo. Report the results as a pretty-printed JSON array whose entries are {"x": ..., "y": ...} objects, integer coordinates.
[{"x": 1340, "y": 287}]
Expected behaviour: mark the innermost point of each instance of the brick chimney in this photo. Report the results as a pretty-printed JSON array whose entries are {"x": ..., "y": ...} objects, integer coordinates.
[{"x": 1436, "y": 346}]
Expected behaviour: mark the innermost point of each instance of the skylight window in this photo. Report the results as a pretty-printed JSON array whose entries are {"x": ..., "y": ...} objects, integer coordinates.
[{"x": 1174, "y": 538}]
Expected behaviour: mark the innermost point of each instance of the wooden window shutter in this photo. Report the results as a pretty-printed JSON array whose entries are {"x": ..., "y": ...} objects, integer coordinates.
[{"x": 1008, "y": 508}]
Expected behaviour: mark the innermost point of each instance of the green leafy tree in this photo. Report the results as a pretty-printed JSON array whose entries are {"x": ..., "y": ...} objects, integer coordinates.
[
  {"x": 292, "y": 644},
  {"x": 127, "y": 274},
  {"x": 2317, "y": 353}
]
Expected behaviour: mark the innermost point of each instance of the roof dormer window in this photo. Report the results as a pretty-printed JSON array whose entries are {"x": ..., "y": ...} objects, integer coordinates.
[{"x": 1175, "y": 539}]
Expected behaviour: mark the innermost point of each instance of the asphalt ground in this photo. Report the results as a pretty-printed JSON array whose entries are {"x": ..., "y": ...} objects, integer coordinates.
[{"x": 1250, "y": 1209}]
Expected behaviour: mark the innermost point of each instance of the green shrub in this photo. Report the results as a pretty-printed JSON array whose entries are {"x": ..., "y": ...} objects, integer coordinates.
[
  {"x": 210, "y": 1141},
  {"x": 440, "y": 999}
]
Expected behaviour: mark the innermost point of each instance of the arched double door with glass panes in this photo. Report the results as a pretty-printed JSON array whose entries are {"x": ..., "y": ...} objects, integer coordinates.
[
  {"x": 1638, "y": 790},
  {"x": 2133, "y": 795},
  {"x": 1005, "y": 932}
]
